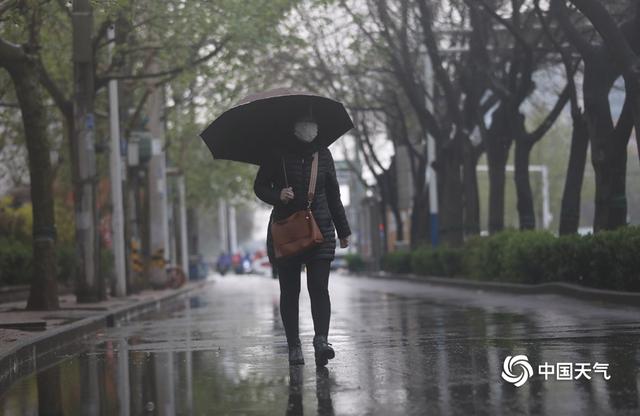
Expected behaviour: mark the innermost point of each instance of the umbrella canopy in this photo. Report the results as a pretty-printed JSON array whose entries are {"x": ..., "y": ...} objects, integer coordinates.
[{"x": 261, "y": 124}]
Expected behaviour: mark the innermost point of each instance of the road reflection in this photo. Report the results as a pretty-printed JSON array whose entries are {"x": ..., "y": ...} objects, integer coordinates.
[{"x": 400, "y": 352}]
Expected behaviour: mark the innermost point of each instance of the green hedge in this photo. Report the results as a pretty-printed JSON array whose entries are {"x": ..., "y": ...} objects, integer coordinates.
[
  {"x": 443, "y": 261},
  {"x": 16, "y": 262},
  {"x": 607, "y": 260},
  {"x": 397, "y": 262},
  {"x": 355, "y": 263}
]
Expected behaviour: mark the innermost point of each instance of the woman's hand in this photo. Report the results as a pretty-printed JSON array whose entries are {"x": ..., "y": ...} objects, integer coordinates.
[
  {"x": 286, "y": 195},
  {"x": 344, "y": 242}
]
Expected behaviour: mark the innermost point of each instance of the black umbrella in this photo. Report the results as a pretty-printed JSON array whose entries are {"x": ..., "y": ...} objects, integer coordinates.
[{"x": 263, "y": 123}]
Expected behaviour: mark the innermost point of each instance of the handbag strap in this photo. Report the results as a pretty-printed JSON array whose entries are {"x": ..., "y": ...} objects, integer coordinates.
[
  {"x": 284, "y": 169},
  {"x": 312, "y": 180}
]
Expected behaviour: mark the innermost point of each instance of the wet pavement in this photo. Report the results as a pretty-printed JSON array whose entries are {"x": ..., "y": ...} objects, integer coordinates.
[{"x": 402, "y": 348}]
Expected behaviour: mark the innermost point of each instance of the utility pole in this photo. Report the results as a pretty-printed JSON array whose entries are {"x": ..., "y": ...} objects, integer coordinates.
[
  {"x": 158, "y": 216},
  {"x": 181, "y": 250},
  {"x": 90, "y": 288},
  {"x": 184, "y": 250},
  {"x": 115, "y": 165},
  {"x": 233, "y": 229},
  {"x": 430, "y": 174},
  {"x": 222, "y": 225}
]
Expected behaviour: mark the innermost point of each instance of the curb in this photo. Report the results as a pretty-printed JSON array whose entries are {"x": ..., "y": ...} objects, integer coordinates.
[
  {"x": 553, "y": 288},
  {"x": 39, "y": 352}
]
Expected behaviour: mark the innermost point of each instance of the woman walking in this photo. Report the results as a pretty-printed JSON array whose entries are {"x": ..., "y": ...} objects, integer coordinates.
[{"x": 283, "y": 182}]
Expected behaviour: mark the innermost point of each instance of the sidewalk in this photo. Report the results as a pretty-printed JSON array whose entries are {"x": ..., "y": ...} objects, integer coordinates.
[
  {"x": 33, "y": 339},
  {"x": 613, "y": 297}
]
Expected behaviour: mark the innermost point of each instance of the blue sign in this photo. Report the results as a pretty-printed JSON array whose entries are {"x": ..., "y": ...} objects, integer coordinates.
[{"x": 89, "y": 121}]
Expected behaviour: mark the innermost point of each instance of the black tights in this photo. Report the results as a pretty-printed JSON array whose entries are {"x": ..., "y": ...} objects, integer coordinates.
[{"x": 318, "y": 285}]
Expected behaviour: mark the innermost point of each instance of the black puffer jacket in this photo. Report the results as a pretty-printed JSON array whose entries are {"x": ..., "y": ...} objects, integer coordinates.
[{"x": 327, "y": 207}]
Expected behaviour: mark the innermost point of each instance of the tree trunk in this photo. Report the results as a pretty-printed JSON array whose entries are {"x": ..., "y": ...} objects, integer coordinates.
[
  {"x": 499, "y": 142},
  {"x": 420, "y": 224},
  {"x": 618, "y": 166},
  {"x": 451, "y": 194},
  {"x": 497, "y": 180},
  {"x": 43, "y": 294},
  {"x": 526, "y": 211},
  {"x": 618, "y": 200},
  {"x": 600, "y": 122},
  {"x": 608, "y": 145},
  {"x": 571, "y": 197},
  {"x": 390, "y": 178},
  {"x": 420, "y": 218},
  {"x": 471, "y": 195},
  {"x": 384, "y": 244},
  {"x": 397, "y": 216},
  {"x": 498, "y": 145}
]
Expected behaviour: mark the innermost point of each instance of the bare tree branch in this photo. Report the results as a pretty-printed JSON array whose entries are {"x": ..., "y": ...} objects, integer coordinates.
[
  {"x": 63, "y": 102},
  {"x": 613, "y": 37},
  {"x": 559, "y": 9},
  {"x": 553, "y": 115},
  {"x": 169, "y": 72}
]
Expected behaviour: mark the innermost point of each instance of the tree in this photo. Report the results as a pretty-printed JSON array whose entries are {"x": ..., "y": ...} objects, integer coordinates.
[
  {"x": 608, "y": 139},
  {"x": 623, "y": 45},
  {"x": 20, "y": 62},
  {"x": 571, "y": 197},
  {"x": 519, "y": 51},
  {"x": 402, "y": 33},
  {"x": 227, "y": 32}
]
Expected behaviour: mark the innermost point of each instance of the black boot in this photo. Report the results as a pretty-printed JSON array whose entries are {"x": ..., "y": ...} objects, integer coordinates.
[
  {"x": 295, "y": 353},
  {"x": 323, "y": 349}
]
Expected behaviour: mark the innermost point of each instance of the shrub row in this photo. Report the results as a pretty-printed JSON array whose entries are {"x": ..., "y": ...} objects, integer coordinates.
[
  {"x": 16, "y": 262},
  {"x": 354, "y": 262},
  {"x": 607, "y": 260}
]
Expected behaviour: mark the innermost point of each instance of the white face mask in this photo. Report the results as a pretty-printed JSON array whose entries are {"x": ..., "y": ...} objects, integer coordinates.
[{"x": 306, "y": 131}]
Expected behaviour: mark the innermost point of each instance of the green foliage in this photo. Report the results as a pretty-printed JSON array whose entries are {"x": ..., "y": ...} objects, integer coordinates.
[
  {"x": 397, "y": 262},
  {"x": 525, "y": 255},
  {"x": 15, "y": 222},
  {"x": 208, "y": 179},
  {"x": 570, "y": 260},
  {"x": 487, "y": 255},
  {"x": 66, "y": 262},
  {"x": 613, "y": 259},
  {"x": 451, "y": 261},
  {"x": 443, "y": 261},
  {"x": 355, "y": 263},
  {"x": 65, "y": 222},
  {"x": 607, "y": 260},
  {"x": 15, "y": 262}
]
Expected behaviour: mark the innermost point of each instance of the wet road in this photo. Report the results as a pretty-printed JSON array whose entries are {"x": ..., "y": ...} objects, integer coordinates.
[{"x": 402, "y": 349}]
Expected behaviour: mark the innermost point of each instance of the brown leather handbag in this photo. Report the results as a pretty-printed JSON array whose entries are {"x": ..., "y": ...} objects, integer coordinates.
[{"x": 299, "y": 231}]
